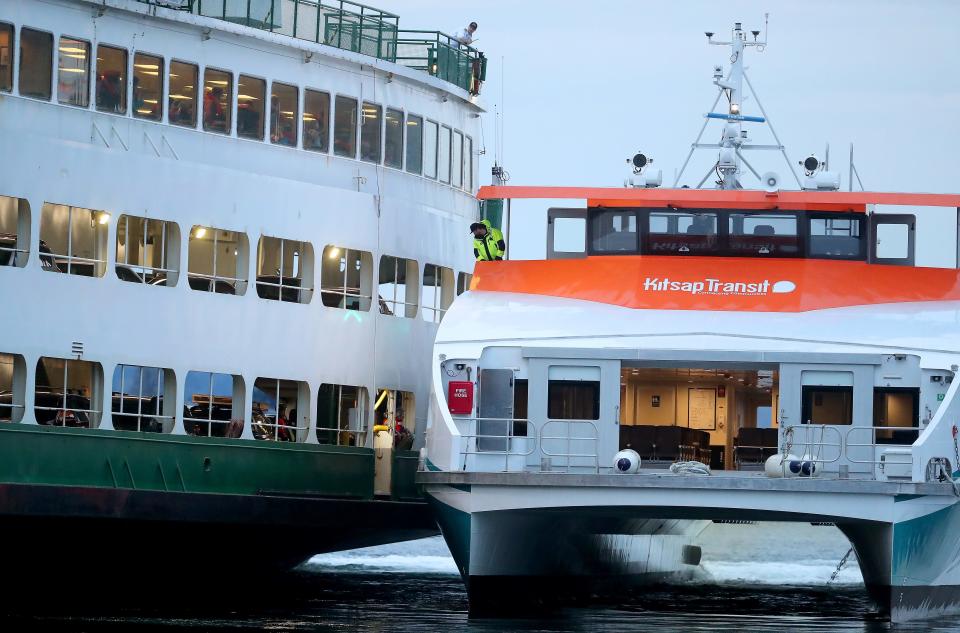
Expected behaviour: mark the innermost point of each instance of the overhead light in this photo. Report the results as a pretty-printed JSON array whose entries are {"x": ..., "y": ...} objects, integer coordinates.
[
  {"x": 334, "y": 253},
  {"x": 200, "y": 232},
  {"x": 183, "y": 97},
  {"x": 247, "y": 98},
  {"x": 147, "y": 66},
  {"x": 103, "y": 218},
  {"x": 73, "y": 70},
  {"x": 73, "y": 49}
]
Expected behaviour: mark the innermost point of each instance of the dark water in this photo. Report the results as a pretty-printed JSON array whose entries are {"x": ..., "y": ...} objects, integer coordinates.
[{"x": 762, "y": 579}]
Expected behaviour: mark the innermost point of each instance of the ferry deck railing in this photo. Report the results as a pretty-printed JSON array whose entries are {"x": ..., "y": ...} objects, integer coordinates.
[
  {"x": 560, "y": 451},
  {"x": 350, "y": 26}
]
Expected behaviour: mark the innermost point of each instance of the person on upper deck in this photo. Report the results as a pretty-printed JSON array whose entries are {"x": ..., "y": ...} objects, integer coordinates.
[
  {"x": 488, "y": 244},
  {"x": 465, "y": 37}
]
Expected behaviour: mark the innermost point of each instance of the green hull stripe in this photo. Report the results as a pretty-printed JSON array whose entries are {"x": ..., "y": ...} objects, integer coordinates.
[{"x": 455, "y": 527}]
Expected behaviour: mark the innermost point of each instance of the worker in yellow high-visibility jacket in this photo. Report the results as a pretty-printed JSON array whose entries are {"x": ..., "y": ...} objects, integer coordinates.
[{"x": 488, "y": 244}]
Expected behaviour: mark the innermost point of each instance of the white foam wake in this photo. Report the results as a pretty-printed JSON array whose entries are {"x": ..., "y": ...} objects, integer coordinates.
[{"x": 807, "y": 573}]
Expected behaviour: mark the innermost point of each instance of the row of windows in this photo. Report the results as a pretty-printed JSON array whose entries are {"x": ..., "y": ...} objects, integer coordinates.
[
  {"x": 74, "y": 241},
  {"x": 392, "y": 137},
  {"x": 69, "y": 392}
]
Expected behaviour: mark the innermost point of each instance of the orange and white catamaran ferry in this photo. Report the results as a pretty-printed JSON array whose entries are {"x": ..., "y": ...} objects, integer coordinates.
[{"x": 687, "y": 355}]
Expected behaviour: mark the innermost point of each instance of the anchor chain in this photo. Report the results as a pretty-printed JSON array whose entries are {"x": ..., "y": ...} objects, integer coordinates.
[{"x": 840, "y": 566}]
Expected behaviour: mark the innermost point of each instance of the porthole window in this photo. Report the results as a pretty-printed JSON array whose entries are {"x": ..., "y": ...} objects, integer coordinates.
[
  {"x": 148, "y": 251},
  {"x": 77, "y": 239},
  {"x": 342, "y": 415},
  {"x": 213, "y": 404},
  {"x": 68, "y": 392},
  {"x": 217, "y": 260},
  {"x": 284, "y": 270},
  {"x": 144, "y": 399},
  {"x": 397, "y": 286},
  {"x": 346, "y": 278},
  {"x": 280, "y": 410}
]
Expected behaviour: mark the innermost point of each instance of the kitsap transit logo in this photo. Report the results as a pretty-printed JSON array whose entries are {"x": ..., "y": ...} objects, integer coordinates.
[{"x": 708, "y": 286}]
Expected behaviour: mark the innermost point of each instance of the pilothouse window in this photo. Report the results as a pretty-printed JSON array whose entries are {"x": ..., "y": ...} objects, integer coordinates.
[
  {"x": 148, "y": 251},
  {"x": 775, "y": 235},
  {"x": 836, "y": 236},
  {"x": 217, "y": 260},
  {"x": 682, "y": 232},
  {"x": 144, "y": 399},
  {"x": 613, "y": 231},
  {"x": 346, "y": 278},
  {"x": 77, "y": 239}
]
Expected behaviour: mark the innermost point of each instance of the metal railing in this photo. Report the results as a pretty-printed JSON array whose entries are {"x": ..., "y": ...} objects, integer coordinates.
[
  {"x": 565, "y": 447},
  {"x": 350, "y": 26},
  {"x": 907, "y": 434},
  {"x": 811, "y": 442}
]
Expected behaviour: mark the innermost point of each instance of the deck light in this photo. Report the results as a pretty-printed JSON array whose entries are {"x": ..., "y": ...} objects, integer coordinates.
[
  {"x": 200, "y": 232},
  {"x": 734, "y": 108},
  {"x": 334, "y": 253},
  {"x": 103, "y": 218},
  {"x": 810, "y": 164}
]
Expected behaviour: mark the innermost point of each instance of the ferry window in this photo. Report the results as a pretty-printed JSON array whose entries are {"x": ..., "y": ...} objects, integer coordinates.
[
  {"x": 277, "y": 414},
  {"x": 342, "y": 415},
  {"x": 463, "y": 282},
  {"x": 456, "y": 160},
  {"x": 36, "y": 63},
  {"x": 827, "y": 405},
  {"x": 147, "y": 87},
  {"x": 398, "y": 286},
  {"x": 613, "y": 231},
  {"x": 68, "y": 392},
  {"x": 73, "y": 72},
  {"x": 6, "y": 58},
  {"x": 217, "y": 89},
  {"x": 346, "y": 278},
  {"x": 148, "y": 251},
  {"x": 13, "y": 373},
  {"x": 573, "y": 400},
  {"x": 414, "y": 144},
  {"x": 77, "y": 239},
  {"x": 468, "y": 163},
  {"x": 144, "y": 399},
  {"x": 345, "y": 127},
  {"x": 430, "y": 135},
  {"x": 283, "y": 115},
  {"x": 836, "y": 237},
  {"x": 569, "y": 234},
  {"x": 316, "y": 121},
  {"x": 183, "y": 94},
  {"x": 682, "y": 232},
  {"x": 15, "y": 232},
  {"x": 251, "y": 95},
  {"x": 393, "y": 139},
  {"x": 111, "y": 79},
  {"x": 370, "y": 142},
  {"x": 397, "y": 411},
  {"x": 443, "y": 154},
  {"x": 217, "y": 260},
  {"x": 437, "y": 292},
  {"x": 893, "y": 241},
  {"x": 775, "y": 235},
  {"x": 284, "y": 270},
  {"x": 208, "y": 404}
]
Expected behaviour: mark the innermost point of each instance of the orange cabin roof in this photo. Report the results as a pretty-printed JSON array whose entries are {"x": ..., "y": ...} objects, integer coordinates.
[{"x": 719, "y": 199}]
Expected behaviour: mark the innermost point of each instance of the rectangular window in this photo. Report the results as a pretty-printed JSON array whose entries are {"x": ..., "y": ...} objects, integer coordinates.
[
  {"x": 316, "y": 121},
  {"x": 370, "y": 141},
  {"x": 13, "y": 373},
  {"x": 68, "y": 393},
  {"x": 684, "y": 233},
  {"x": 217, "y": 260},
  {"x": 468, "y": 163},
  {"x": 345, "y": 127},
  {"x": 393, "y": 139},
  {"x": 183, "y": 94},
  {"x": 277, "y": 412},
  {"x": 827, "y": 405},
  {"x": 614, "y": 231},
  {"x": 897, "y": 409},
  {"x": 573, "y": 400},
  {"x": 463, "y": 282},
  {"x": 148, "y": 251},
  {"x": 208, "y": 404},
  {"x": 147, "y": 86},
  {"x": 15, "y": 232},
  {"x": 437, "y": 292},
  {"x": 342, "y": 415},
  {"x": 414, "y": 144},
  {"x": 251, "y": 95},
  {"x": 443, "y": 154},
  {"x": 284, "y": 270},
  {"x": 346, "y": 278},
  {"x": 770, "y": 235},
  {"x": 73, "y": 72},
  {"x": 6, "y": 60},
  {"x": 36, "y": 64},
  {"x": 77, "y": 239},
  {"x": 430, "y": 133},
  {"x": 111, "y": 79},
  {"x": 217, "y": 91},
  {"x": 283, "y": 115},
  {"x": 398, "y": 286},
  {"x": 144, "y": 399},
  {"x": 397, "y": 411},
  {"x": 456, "y": 160},
  {"x": 837, "y": 237}
]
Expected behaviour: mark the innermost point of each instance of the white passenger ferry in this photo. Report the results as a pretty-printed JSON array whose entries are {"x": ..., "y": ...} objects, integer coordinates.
[
  {"x": 687, "y": 355},
  {"x": 228, "y": 231}
]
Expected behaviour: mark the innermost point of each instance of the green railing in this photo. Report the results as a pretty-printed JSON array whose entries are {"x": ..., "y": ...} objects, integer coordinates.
[
  {"x": 350, "y": 26},
  {"x": 443, "y": 57}
]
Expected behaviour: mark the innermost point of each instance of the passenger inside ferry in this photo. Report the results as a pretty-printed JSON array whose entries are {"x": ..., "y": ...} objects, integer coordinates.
[
  {"x": 109, "y": 91},
  {"x": 213, "y": 116}
]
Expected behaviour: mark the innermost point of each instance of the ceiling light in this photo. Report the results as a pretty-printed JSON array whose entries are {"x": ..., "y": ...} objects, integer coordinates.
[{"x": 200, "y": 232}]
